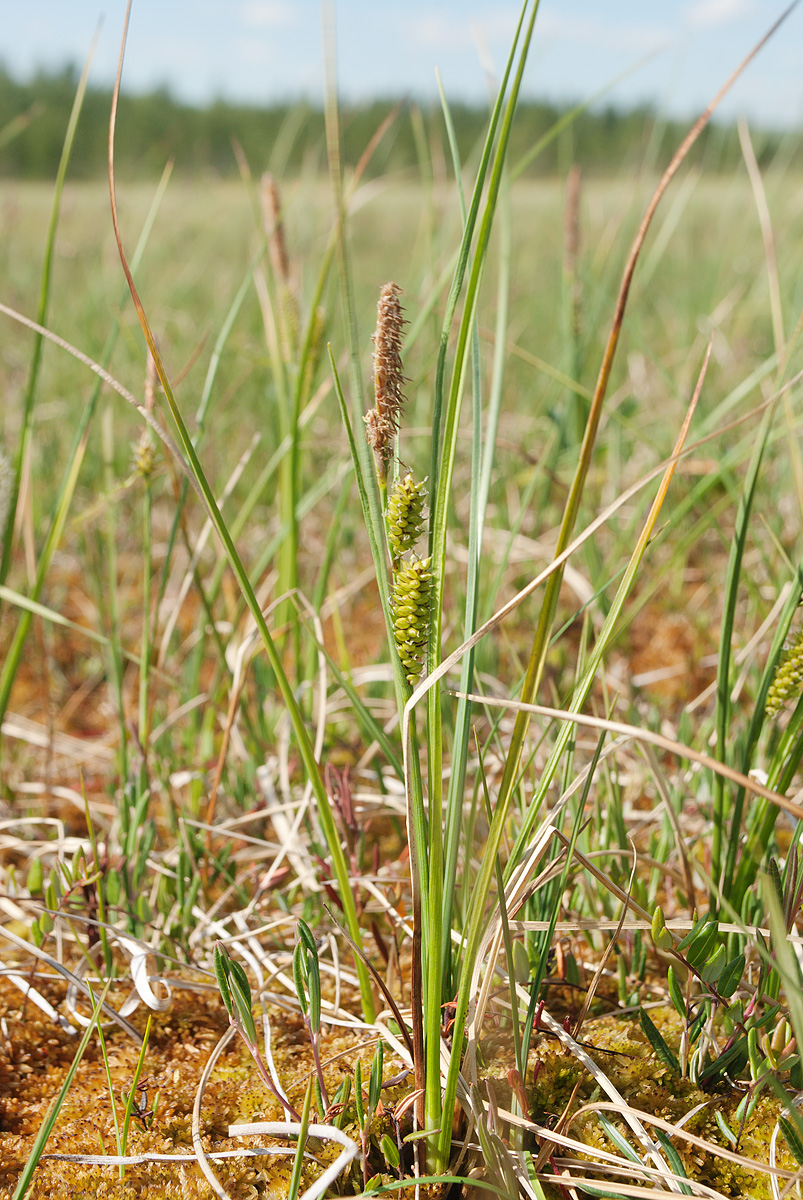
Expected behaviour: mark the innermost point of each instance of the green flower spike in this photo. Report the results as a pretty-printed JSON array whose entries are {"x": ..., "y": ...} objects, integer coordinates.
[
  {"x": 788, "y": 681},
  {"x": 405, "y": 515},
  {"x": 411, "y": 600}
]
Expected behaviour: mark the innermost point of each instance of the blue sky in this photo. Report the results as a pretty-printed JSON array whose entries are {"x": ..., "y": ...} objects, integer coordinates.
[{"x": 262, "y": 50}]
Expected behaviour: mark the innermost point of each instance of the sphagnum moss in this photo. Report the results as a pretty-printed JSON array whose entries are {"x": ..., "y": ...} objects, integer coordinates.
[{"x": 648, "y": 1085}]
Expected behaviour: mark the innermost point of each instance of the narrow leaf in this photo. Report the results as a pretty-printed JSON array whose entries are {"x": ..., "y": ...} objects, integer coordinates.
[{"x": 656, "y": 1040}]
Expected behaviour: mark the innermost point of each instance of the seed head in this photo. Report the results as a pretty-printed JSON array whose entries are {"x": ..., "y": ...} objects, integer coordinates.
[
  {"x": 788, "y": 681},
  {"x": 382, "y": 422},
  {"x": 406, "y": 515},
  {"x": 145, "y": 455},
  {"x": 274, "y": 226},
  {"x": 411, "y": 602}
]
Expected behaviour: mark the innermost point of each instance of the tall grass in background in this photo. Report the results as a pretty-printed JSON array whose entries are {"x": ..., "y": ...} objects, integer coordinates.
[{"x": 504, "y": 828}]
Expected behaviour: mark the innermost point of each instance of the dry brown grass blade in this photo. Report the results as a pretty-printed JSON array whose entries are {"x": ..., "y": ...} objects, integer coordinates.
[
  {"x": 380, "y": 983},
  {"x": 603, "y": 962},
  {"x": 564, "y": 544},
  {"x": 511, "y": 605},
  {"x": 108, "y": 379},
  {"x": 140, "y": 311},
  {"x": 680, "y": 1132},
  {"x": 633, "y": 1189},
  {"x": 683, "y": 854},
  {"x": 197, "y": 1144},
  {"x": 667, "y": 177},
  {"x": 645, "y": 735}
]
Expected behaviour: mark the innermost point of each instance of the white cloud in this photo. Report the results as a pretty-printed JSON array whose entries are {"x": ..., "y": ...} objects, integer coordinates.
[
  {"x": 631, "y": 37},
  {"x": 437, "y": 31},
  {"x": 266, "y": 14},
  {"x": 706, "y": 14}
]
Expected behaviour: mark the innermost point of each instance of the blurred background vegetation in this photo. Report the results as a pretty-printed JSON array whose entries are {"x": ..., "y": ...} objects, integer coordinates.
[{"x": 290, "y": 136}]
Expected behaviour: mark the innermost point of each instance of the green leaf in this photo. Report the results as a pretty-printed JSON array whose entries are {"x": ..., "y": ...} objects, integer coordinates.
[
  {"x": 314, "y": 995},
  {"x": 692, "y": 934},
  {"x": 35, "y": 881},
  {"x": 305, "y": 934},
  {"x": 756, "y": 1061},
  {"x": 675, "y": 1161},
  {"x": 390, "y": 1151},
  {"x": 656, "y": 1040},
  {"x": 696, "y": 1027},
  {"x": 676, "y": 994},
  {"x": 731, "y": 976},
  {"x": 660, "y": 934},
  {"x": 375, "y": 1083},
  {"x": 221, "y": 964},
  {"x": 618, "y": 1140},
  {"x": 112, "y": 886},
  {"x": 724, "y": 1127},
  {"x": 241, "y": 994},
  {"x": 417, "y": 1135},
  {"x": 792, "y": 1138},
  {"x": 298, "y": 978},
  {"x": 358, "y": 1094},
  {"x": 733, "y": 1061},
  {"x": 714, "y": 966},
  {"x": 774, "y": 877},
  {"x": 701, "y": 946}
]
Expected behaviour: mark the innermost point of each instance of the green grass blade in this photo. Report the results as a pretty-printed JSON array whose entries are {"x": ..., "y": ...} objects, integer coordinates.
[
  {"x": 63, "y": 500},
  {"x": 311, "y": 768},
  {"x": 436, "y": 1116},
  {"x": 26, "y": 430},
  {"x": 724, "y": 662},
  {"x": 298, "y": 1161}
]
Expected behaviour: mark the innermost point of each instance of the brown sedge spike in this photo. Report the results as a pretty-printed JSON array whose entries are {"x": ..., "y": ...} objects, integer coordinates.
[{"x": 382, "y": 422}]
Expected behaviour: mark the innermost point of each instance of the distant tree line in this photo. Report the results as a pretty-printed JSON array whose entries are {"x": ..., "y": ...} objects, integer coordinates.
[{"x": 289, "y": 138}]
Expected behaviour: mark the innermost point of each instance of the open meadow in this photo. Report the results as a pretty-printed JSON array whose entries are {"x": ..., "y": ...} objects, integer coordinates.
[{"x": 543, "y": 940}]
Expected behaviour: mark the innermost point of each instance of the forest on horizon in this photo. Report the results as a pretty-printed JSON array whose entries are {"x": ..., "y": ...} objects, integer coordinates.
[{"x": 289, "y": 137}]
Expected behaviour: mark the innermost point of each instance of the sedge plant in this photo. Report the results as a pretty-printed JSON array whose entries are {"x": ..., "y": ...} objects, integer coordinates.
[
  {"x": 409, "y": 501},
  {"x": 412, "y": 591}
]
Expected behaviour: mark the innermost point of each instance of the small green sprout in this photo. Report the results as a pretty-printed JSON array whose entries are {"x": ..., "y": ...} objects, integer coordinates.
[{"x": 236, "y": 993}]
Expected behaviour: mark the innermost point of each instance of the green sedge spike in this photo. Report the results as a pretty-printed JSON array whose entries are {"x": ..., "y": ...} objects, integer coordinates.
[
  {"x": 406, "y": 515},
  {"x": 788, "y": 681},
  {"x": 411, "y": 602},
  {"x": 145, "y": 458}
]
